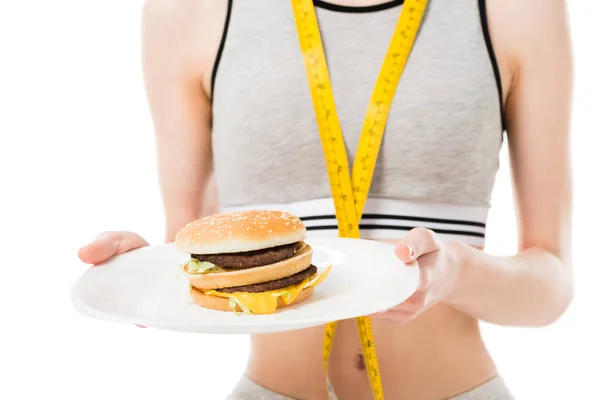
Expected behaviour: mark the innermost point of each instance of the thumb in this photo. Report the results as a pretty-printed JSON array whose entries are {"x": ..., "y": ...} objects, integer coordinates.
[
  {"x": 108, "y": 245},
  {"x": 418, "y": 242}
]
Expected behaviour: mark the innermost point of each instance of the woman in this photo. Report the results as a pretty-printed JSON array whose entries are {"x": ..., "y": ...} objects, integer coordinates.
[{"x": 228, "y": 91}]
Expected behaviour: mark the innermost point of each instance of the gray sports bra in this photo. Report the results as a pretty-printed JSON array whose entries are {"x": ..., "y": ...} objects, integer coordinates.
[{"x": 439, "y": 155}]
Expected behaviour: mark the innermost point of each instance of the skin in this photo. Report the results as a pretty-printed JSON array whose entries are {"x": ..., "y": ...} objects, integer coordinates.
[{"x": 459, "y": 284}]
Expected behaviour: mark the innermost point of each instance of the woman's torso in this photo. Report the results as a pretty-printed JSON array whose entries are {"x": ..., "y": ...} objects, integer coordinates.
[{"x": 438, "y": 162}]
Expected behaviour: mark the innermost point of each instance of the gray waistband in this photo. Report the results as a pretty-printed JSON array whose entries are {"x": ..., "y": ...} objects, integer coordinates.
[
  {"x": 494, "y": 389},
  {"x": 247, "y": 389}
]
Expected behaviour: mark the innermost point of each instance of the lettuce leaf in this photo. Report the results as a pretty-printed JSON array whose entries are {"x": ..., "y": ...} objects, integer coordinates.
[
  {"x": 233, "y": 302},
  {"x": 198, "y": 267},
  {"x": 285, "y": 295}
]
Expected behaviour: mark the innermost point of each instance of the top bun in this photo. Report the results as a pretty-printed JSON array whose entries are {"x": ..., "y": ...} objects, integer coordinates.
[{"x": 239, "y": 232}]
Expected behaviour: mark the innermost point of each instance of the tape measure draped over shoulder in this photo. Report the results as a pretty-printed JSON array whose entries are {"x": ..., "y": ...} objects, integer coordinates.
[{"x": 350, "y": 191}]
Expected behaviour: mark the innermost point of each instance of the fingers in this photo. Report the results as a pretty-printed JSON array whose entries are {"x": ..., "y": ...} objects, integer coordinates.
[
  {"x": 414, "y": 304},
  {"x": 406, "y": 311},
  {"x": 101, "y": 249},
  {"x": 398, "y": 317},
  {"x": 418, "y": 242},
  {"x": 424, "y": 278},
  {"x": 108, "y": 245}
]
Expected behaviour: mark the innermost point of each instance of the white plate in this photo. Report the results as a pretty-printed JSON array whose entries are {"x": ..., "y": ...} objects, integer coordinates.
[{"x": 145, "y": 287}]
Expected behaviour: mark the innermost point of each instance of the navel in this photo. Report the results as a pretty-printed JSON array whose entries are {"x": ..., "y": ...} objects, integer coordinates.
[{"x": 359, "y": 362}]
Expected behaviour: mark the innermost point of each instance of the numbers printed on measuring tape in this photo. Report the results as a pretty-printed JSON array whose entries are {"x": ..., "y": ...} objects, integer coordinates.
[{"x": 350, "y": 192}]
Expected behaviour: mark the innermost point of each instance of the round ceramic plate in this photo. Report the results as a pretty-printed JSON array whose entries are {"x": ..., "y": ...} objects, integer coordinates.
[{"x": 146, "y": 287}]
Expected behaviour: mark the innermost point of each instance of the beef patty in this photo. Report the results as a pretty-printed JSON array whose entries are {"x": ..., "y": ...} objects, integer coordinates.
[
  {"x": 250, "y": 259},
  {"x": 273, "y": 285}
]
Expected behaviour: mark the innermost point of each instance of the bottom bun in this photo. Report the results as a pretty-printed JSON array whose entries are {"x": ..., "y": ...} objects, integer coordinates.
[{"x": 222, "y": 303}]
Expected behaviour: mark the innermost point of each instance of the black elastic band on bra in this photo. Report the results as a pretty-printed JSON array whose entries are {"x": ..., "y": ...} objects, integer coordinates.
[
  {"x": 220, "y": 51},
  {"x": 490, "y": 49},
  {"x": 358, "y": 9},
  {"x": 400, "y": 218},
  {"x": 397, "y": 228},
  {"x": 399, "y": 223}
]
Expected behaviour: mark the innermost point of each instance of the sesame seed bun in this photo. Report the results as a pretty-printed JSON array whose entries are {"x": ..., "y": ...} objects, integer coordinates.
[
  {"x": 239, "y": 232},
  {"x": 222, "y": 303},
  {"x": 250, "y": 276}
]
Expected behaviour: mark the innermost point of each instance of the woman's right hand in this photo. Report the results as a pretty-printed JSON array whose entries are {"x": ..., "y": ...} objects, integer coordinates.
[{"x": 110, "y": 244}]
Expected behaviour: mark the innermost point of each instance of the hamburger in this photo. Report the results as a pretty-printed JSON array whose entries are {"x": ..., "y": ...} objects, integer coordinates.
[{"x": 252, "y": 261}]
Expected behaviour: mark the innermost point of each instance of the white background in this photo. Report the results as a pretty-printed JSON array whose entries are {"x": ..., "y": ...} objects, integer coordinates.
[{"x": 77, "y": 157}]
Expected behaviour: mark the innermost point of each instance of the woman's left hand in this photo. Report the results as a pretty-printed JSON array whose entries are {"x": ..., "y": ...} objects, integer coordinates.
[{"x": 441, "y": 265}]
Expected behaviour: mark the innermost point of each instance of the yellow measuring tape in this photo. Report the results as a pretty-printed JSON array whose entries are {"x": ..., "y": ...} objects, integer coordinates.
[{"x": 350, "y": 191}]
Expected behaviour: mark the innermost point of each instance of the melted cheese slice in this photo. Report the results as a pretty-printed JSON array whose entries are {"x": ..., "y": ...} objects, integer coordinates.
[{"x": 266, "y": 302}]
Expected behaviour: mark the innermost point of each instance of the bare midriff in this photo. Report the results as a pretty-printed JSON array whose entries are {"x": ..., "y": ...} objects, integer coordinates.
[{"x": 438, "y": 355}]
